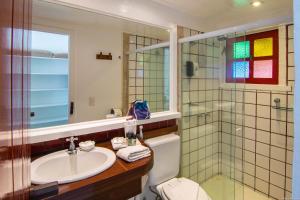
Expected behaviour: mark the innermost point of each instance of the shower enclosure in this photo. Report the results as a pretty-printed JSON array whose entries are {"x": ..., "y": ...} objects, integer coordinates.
[
  {"x": 147, "y": 72},
  {"x": 213, "y": 113}
]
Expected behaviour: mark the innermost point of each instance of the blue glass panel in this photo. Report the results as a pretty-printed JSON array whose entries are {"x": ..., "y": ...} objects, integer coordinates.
[{"x": 240, "y": 69}]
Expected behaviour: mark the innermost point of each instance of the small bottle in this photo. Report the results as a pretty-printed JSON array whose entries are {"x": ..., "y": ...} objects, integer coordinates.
[
  {"x": 131, "y": 138},
  {"x": 141, "y": 135}
]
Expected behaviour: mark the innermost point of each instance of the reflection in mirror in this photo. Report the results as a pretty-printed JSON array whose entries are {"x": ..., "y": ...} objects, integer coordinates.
[
  {"x": 149, "y": 73},
  {"x": 87, "y": 66}
]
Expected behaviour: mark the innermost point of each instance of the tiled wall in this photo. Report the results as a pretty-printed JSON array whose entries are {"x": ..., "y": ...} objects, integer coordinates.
[
  {"x": 265, "y": 142},
  {"x": 243, "y": 137},
  {"x": 200, "y": 121},
  {"x": 147, "y": 78}
]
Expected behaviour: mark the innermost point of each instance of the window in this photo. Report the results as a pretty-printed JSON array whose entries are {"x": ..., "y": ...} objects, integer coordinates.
[
  {"x": 253, "y": 59},
  {"x": 49, "y": 88}
]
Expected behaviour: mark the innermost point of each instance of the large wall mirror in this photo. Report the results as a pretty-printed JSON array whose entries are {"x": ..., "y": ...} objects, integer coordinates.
[{"x": 86, "y": 66}]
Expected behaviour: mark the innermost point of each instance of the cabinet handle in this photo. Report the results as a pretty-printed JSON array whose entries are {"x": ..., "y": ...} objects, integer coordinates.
[
  {"x": 32, "y": 114},
  {"x": 71, "y": 108}
]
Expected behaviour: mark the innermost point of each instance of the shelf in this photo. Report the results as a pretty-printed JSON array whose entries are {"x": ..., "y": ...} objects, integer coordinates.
[
  {"x": 44, "y": 74},
  {"x": 48, "y": 121},
  {"x": 48, "y": 105},
  {"x": 44, "y": 90},
  {"x": 54, "y": 58}
]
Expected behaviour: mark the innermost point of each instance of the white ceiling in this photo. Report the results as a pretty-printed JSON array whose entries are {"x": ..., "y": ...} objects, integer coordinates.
[
  {"x": 216, "y": 14},
  {"x": 65, "y": 14}
]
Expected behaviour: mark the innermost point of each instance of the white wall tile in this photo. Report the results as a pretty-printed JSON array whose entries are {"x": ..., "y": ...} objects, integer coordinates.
[
  {"x": 276, "y": 192},
  {"x": 278, "y": 153},
  {"x": 250, "y": 145},
  {"x": 263, "y": 149},
  {"x": 249, "y": 180},
  {"x": 250, "y": 109},
  {"x": 291, "y": 60},
  {"x": 262, "y": 161},
  {"x": 263, "y": 136},
  {"x": 291, "y": 31},
  {"x": 278, "y": 127},
  {"x": 277, "y": 166},
  {"x": 250, "y": 97},
  {"x": 262, "y": 186},
  {"x": 249, "y": 133},
  {"x": 277, "y": 179},
  {"x": 278, "y": 114},
  {"x": 263, "y": 124},
  {"x": 250, "y": 121},
  {"x": 262, "y": 173},
  {"x": 263, "y": 98},
  {"x": 289, "y": 184},
  {"x": 291, "y": 45},
  {"x": 278, "y": 140},
  {"x": 263, "y": 111}
]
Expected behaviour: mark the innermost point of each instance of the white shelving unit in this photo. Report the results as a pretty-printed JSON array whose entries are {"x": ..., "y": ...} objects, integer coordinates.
[{"x": 49, "y": 91}]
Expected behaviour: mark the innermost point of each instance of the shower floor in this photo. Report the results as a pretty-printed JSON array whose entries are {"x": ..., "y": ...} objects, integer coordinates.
[{"x": 222, "y": 188}]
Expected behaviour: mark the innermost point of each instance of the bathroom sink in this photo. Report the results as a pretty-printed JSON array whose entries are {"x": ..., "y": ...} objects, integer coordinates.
[{"x": 65, "y": 168}]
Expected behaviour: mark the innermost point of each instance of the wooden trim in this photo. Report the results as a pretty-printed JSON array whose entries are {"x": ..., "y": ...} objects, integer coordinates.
[
  {"x": 160, "y": 132},
  {"x": 123, "y": 177},
  {"x": 275, "y": 58},
  {"x": 15, "y": 18}
]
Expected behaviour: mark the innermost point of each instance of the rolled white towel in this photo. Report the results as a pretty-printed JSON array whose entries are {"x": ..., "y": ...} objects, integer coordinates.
[{"x": 133, "y": 153}]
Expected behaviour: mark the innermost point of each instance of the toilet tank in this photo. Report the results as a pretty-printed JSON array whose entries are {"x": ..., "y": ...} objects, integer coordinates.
[{"x": 166, "y": 150}]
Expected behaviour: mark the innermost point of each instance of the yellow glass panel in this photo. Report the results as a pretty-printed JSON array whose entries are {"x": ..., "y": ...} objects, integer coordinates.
[{"x": 263, "y": 47}]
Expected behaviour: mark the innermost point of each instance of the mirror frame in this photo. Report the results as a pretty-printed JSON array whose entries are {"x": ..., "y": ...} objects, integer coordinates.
[{"x": 87, "y": 127}]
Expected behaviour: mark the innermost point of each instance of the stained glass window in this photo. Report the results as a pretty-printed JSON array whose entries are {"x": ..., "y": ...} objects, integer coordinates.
[
  {"x": 240, "y": 69},
  {"x": 263, "y": 69},
  {"x": 263, "y": 47},
  {"x": 253, "y": 58},
  {"x": 241, "y": 49}
]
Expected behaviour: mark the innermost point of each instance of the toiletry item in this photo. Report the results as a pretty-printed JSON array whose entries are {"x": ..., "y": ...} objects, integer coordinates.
[
  {"x": 133, "y": 153},
  {"x": 141, "y": 134},
  {"x": 87, "y": 145},
  {"x": 131, "y": 138},
  {"x": 117, "y": 112},
  {"x": 139, "y": 110},
  {"x": 130, "y": 127},
  {"x": 121, "y": 142}
]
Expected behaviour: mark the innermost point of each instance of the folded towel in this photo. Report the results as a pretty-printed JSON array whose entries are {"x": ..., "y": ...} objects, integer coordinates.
[
  {"x": 133, "y": 153},
  {"x": 118, "y": 143},
  {"x": 121, "y": 142},
  {"x": 179, "y": 189}
]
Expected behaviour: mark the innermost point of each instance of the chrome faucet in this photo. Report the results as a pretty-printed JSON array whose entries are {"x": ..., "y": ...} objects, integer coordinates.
[{"x": 72, "y": 148}]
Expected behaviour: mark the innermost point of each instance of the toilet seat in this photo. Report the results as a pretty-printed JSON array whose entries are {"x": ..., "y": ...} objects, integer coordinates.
[{"x": 181, "y": 188}]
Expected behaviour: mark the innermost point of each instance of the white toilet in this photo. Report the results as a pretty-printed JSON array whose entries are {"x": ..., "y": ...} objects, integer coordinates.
[{"x": 166, "y": 150}]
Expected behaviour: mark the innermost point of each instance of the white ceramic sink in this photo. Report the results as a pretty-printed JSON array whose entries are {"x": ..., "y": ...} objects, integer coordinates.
[{"x": 65, "y": 168}]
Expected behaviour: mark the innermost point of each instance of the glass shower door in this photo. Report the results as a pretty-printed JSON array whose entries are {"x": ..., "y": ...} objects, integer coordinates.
[{"x": 212, "y": 119}]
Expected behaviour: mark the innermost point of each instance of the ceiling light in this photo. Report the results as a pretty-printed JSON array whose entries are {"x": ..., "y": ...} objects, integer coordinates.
[
  {"x": 124, "y": 8},
  {"x": 256, "y": 3}
]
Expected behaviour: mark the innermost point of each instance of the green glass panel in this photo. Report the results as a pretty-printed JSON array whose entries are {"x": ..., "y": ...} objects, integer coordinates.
[{"x": 241, "y": 50}]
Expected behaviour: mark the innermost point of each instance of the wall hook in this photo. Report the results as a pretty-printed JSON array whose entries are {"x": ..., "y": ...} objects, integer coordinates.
[{"x": 102, "y": 56}]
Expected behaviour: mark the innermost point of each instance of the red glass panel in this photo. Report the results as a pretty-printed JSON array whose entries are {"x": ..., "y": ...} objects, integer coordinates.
[{"x": 263, "y": 69}]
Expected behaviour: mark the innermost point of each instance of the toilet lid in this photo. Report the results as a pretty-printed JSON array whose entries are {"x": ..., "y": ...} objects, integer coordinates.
[{"x": 181, "y": 188}]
